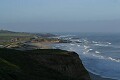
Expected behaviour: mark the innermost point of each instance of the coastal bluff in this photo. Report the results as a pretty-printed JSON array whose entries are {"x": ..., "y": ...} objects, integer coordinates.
[{"x": 41, "y": 64}]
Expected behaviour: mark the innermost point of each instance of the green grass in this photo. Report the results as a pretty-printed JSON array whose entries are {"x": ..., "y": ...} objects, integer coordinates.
[
  {"x": 25, "y": 65},
  {"x": 5, "y": 38},
  {"x": 48, "y": 51},
  {"x": 4, "y": 62},
  {"x": 15, "y": 34},
  {"x": 13, "y": 60},
  {"x": 8, "y": 70}
]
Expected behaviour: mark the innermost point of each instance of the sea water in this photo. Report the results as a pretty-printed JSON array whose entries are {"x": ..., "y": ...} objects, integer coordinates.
[{"x": 100, "y": 52}]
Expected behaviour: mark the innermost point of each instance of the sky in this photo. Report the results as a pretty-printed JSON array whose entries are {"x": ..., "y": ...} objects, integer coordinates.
[{"x": 60, "y": 15}]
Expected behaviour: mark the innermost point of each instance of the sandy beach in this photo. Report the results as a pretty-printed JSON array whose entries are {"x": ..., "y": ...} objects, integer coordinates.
[
  {"x": 41, "y": 45},
  {"x": 47, "y": 45}
]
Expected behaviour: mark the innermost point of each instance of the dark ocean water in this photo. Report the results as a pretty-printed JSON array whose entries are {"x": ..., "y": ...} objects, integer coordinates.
[{"x": 100, "y": 53}]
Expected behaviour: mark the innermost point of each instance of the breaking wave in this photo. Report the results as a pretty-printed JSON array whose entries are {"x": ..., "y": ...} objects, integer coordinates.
[{"x": 97, "y": 56}]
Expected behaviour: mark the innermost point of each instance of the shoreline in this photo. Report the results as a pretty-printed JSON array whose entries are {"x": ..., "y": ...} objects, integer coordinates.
[
  {"x": 98, "y": 77},
  {"x": 47, "y": 45}
]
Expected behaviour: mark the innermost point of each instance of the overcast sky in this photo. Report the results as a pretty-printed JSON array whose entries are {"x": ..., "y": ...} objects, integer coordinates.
[{"x": 60, "y": 15}]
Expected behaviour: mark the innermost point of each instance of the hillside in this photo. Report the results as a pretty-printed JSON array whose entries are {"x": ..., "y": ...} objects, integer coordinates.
[
  {"x": 10, "y": 39},
  {"x": 12, "y": 33},
  {"x": 45, "y": 64},
  {"x": 6, "y": 31}
]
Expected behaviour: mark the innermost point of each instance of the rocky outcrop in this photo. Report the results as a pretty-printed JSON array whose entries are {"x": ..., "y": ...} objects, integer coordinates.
[{"x": 45, "y": 64}]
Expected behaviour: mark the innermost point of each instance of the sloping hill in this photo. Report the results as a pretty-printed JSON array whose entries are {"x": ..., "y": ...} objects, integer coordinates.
[
  {"x": 6, "y": 31},
  {"x": 12, "y": 33},
  {"x": 46, "y": 64}
]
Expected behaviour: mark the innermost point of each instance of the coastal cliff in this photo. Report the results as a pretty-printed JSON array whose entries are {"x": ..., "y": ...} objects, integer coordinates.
[{"x": 41, "y": 64}]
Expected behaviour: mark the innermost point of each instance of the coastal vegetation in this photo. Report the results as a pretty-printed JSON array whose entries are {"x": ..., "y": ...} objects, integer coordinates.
[
  {"x": 26, "y": 56},
  {"x": 10, "y": 39},
  {"x": 44, "y": 64}
]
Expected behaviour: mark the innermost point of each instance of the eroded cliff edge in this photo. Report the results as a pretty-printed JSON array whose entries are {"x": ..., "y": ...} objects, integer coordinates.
[{"x": 42, "y": 64}]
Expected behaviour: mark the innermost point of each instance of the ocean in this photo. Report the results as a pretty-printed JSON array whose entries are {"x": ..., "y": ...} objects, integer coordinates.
[{"x": 99, "y": 52}]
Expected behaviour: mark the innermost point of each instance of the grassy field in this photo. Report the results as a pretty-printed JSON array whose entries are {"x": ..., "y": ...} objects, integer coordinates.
[
  {"x": 8, "y": 38},
  {"x": 14, "y": 34}
]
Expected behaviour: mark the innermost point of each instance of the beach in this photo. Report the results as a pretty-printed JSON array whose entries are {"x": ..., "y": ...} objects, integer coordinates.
[
  {"x": 47, "y": 45},
  {"x": 98, "y": 52},
  {"x": 41, "y": 45}
]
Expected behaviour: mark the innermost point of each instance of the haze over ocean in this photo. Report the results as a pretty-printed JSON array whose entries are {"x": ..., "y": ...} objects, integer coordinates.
[
  {"x": 99, "y": 47},
  {"x": 60, "y": 15}
]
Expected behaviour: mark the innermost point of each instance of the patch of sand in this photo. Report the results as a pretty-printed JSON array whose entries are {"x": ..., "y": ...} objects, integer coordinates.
[{"x": 42, "y": 45}]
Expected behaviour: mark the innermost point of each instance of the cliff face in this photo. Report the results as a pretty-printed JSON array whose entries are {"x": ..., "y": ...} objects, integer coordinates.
[{"x": 48, "y": 64}]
